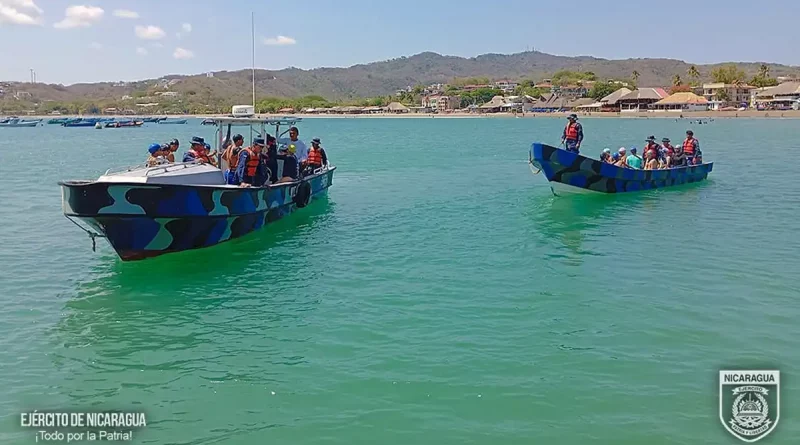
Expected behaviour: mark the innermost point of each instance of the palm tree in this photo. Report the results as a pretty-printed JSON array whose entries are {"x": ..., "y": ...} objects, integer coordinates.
[
  {"x": 676, "y": 80},
  {"x": 635, "y": 76},
  {"x": 763, "y": 71},
  {"x": 693, "y": 73}
]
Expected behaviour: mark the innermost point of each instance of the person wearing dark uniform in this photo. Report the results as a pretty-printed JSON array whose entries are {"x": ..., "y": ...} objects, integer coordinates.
[
  {"x": 690, "y": 147},
  {"x": 288, "y": 167},
  {"x": 316, "y": 157},
  {"x": 250, "y": 170},
  {"x": 573, "y": 134}
]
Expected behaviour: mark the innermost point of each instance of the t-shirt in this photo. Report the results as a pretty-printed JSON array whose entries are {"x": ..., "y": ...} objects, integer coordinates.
[
  {"x": 635, "y": 162},
  {"x": 301, "y": 150}
]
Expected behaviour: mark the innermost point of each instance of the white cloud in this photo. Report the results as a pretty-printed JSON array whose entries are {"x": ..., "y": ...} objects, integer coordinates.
[
  {"x": 141, "y": 51},
  {"x": 181, "y": 53},
  {"x": 149, "y": 32},
  {"x": 80, "y": 16},
  {"x": 96, "y": 45},
  {"x": 20, "y": 12},
  {"x": 186, "y": 27},
  {"x": 157, "y": 45},
  {"x": 126, "y": 14},
  {"x": 279, "y": 40}
]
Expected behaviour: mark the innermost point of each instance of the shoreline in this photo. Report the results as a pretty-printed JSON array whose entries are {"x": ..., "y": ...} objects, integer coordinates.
[{"x": 747, "y": 114}]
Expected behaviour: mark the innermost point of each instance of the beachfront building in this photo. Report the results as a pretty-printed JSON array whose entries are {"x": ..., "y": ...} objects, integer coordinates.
[
  {"x": 610, "y": 103},
  {"x": 493, "y": 106},
  {"x": 782, "y": 96},
  {"x": 549, "y": 103},
  {"x": 397, "y": 108},
  {"x": 640, "y": 99},
  {"x": 684, "y": 101},
  {"x": 442, "y": 103},
  {"x": 721, "y": 95},
  {"x": 573, "y": 91},
  {"x": 506, "y": 86}
]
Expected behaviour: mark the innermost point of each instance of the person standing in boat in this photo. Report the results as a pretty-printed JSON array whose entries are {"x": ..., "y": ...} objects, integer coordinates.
[
  {"x": 287, "y": 164},
  {"x": 316, "y": 157},
  {"x": 198, "y": 152},
  {"x": 231, "y": 156},
  {"x": 573, "y": 134},
  {"x": 667, "y": 152},
  {"x": 250, "y": 169},
  {"x": 300, "y": 149},
  {"x": 690, "y": 147},
  {"x": 651, "y": 146}
]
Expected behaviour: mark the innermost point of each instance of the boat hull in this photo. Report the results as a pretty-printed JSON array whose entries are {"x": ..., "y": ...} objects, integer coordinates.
[
  {"x": 570, "y": 172},
  {"x": 147, "y": 220}
]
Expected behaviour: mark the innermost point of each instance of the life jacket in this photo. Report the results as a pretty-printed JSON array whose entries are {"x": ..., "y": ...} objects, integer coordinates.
[
  {"x": 651, "y": 146},
  {"x": 315, "y": 156},
  {"x": 233, "y": 160},
  {"x": 572, "y": 131},
  {"x": 199, "y": 157},
  {"x": 669, "y": 149},
  {"x": 688, "y": 147},
  {"x": 253, "y": 161}
]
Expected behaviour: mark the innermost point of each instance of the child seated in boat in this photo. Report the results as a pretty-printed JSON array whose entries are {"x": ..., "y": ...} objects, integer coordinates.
[{"x": 157, "y": 156}]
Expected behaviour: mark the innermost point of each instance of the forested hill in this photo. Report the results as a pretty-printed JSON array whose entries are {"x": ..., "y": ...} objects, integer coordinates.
[{"x": 383, "y": 78}]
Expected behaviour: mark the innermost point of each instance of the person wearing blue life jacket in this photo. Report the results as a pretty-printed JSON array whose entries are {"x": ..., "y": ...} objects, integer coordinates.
[{"x": 251, "y": 171}]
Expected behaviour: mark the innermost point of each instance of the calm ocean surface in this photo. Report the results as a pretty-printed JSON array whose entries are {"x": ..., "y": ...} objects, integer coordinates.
[{"x": 440, "y": 295}]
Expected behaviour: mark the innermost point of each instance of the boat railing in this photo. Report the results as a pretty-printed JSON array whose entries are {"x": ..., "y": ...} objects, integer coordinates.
[{"x": 165, "y": 168}]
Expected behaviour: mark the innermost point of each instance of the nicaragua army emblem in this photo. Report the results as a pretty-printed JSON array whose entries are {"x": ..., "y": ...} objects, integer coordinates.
[{"x": 749, "y": 403}]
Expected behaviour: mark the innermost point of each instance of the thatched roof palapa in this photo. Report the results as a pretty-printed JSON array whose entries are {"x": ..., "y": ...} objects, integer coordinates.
[
  {"x": 397, "y": 106},
  {"x": 645, "y": 94},
  {"x": 496, "y": 102},
  {"x": 683, "y": 98},
  {"x": 784, "y": 89}
]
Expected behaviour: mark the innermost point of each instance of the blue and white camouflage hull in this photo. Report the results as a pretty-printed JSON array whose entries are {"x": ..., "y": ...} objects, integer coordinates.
[
  {"x": 146, "y": 220},
  {"x": 570, "y": 172}
]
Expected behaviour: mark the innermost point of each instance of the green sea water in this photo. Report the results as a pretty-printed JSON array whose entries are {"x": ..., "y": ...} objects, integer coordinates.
[{"x": 439, "y": 295}]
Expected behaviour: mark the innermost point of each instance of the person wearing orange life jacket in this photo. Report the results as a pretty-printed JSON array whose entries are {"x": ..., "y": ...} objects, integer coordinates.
[
  {"x": 316, "y": 157},
  {"x": 251, "y": 170},
  {"x": 690, "y": 147},
  {"x": 573, "y": 134}
]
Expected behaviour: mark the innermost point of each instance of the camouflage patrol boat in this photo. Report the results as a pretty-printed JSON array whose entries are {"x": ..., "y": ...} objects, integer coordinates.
[
  {"x": 149, "y": 211},
  {"x": 569, "y": 172}
]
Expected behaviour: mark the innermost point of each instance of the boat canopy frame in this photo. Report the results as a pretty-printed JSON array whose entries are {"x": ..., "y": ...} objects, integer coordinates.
[{"x": 258, "y": 128}]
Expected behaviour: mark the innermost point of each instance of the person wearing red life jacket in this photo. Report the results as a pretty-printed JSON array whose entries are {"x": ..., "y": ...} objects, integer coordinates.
[
  {"x": 690, "y": 147},
  {"x": 667, "y": 152},
  {"x": 199, "y": 152},
  {"x": 653, "y": 147},
  {"x": 573, "y": 134}
]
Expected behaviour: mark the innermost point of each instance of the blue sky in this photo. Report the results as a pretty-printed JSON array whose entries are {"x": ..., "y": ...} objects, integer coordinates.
[{"x": 69, "y": 41}]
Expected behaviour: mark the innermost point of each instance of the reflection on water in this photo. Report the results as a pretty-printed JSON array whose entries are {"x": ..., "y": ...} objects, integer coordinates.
[{"x": 213, "y": 314}]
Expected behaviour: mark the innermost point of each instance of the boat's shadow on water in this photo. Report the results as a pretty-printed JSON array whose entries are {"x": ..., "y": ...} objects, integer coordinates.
[
  {"x": 166, "y": 277},
  {"x": 572, "y": 220}
]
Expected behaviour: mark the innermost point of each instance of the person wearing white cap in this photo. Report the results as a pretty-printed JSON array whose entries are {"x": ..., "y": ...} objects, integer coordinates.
[{"x": 623, "y": 155}]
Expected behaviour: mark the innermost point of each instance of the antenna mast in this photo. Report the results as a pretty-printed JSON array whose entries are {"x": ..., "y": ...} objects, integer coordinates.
[{"x": 253, "y": 38}]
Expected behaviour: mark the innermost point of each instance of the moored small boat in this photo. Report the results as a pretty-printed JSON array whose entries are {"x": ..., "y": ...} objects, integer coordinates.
[
  {"x": 570, "y": 172},
  {"x": 173, "y": 121},
  {"x": 123, "y": 124},
  {"x": 17, "y": 123},
  {"x": 153, "y": 119},
  {"x": 145, "y": 212},
  {"x": 80, "y": 123}
]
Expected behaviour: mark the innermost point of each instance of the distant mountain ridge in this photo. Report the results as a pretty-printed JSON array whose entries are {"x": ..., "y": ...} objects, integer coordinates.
[{"x": 385, "y": 77}]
